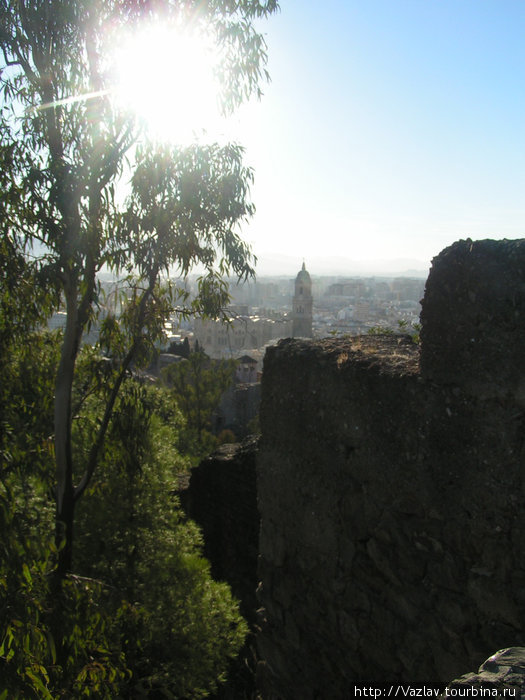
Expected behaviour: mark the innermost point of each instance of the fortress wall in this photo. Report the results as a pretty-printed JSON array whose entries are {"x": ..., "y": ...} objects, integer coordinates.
[
  {"x": 391, "y": 490},
  {"x": 473, "y": 316},
  {"x": 221, "y": 497}
]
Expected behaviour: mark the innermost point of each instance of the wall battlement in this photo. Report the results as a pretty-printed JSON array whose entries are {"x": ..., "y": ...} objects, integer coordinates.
[
  {"x": 473, "y": 316},
  {"x": 391, "y": 489}
]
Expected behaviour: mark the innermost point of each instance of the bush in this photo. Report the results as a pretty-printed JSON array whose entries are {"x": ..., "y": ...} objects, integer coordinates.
[
  {"x": 56, "y": 640},
  {"x": 133, "y": 534},
  {"x": 142, "y": 614}
]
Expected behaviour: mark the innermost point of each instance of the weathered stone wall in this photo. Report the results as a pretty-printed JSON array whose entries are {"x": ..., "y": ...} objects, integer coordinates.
[
  {"x": 474, "y": 318},
  {"x": 221, "y": 497},
  {"x": 392, "y": 497}
]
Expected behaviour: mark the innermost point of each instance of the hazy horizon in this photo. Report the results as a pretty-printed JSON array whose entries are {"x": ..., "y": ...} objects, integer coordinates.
[{"x": 279, "y": 265}]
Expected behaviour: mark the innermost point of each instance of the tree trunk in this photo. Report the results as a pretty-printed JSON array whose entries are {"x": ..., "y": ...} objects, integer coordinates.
[
  {"x": 63, "y": 450},
  {"x": 64, "y": 532}
]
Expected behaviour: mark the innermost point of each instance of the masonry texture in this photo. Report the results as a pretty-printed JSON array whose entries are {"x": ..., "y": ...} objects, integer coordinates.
[
  {"x": 391, "y": 490},
  {"x": 221, "y": 498}
]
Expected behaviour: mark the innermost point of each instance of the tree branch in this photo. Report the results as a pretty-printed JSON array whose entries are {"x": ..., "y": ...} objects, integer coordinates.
[{"x": 108, "y": 412}]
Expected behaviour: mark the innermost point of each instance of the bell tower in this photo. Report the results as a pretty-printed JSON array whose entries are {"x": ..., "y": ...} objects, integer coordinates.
[{"x": 302, "y": 305}]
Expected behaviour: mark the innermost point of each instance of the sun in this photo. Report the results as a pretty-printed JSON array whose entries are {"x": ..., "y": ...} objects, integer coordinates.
[{"x": 167, "y": 78}]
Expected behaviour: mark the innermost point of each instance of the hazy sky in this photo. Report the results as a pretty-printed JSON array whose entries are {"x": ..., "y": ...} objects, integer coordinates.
[{"x": 391, "y": 128}]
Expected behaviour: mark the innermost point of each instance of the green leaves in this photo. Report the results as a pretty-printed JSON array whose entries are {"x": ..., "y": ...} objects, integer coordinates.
[
  {"x": 184, "y": 207},
  {"x": 26, "y": 573},
  {"x": 53, "y": 642},
  {"x": 85, "y": 641},
  {"x": 63, "y": 148},
  {"x": 131, "y": 532},
  {"x": 196, "y": 385}
]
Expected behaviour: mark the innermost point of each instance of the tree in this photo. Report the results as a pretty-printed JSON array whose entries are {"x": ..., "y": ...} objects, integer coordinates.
[
  {"x": 63, "y": 149},
  {"x": 197, "y": 385},
  {"x": 181, "y": 349},
  {"x": 142, "y": 614},
  {"x": 38, "y": 658},
  {"x": 131, "y": 532}
]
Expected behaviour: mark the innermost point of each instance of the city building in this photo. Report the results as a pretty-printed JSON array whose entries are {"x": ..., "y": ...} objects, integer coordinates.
[
  {"x": 242, "y": 333},
  {"x": 246, "y": 372},
  {"x": 302, "y": 305}
]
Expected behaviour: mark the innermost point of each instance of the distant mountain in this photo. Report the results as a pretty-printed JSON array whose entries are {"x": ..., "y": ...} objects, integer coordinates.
[
  {"x": 270, "y": 264},
  {"x": 278, "y": 265}
]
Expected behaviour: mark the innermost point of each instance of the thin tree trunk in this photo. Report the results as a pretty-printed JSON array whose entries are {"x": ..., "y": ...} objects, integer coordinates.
[
  {"x": 64, "y": 533},
  {"x": 63, "y": 448}
]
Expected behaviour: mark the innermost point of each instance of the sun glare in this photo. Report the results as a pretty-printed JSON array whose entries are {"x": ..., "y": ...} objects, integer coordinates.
[{"x": 167, "y": 78}]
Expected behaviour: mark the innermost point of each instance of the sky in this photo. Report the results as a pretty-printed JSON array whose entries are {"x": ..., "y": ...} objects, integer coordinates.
[{"x": 390, "y": 129}]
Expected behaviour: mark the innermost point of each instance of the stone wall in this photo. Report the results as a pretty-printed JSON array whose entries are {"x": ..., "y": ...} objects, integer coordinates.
[
  {"x": 221, "y": 497},
  {"x": 391, "y": 490}
]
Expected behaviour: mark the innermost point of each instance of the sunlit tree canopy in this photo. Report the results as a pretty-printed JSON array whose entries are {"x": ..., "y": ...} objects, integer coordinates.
[{"x": 88, "y": 185}]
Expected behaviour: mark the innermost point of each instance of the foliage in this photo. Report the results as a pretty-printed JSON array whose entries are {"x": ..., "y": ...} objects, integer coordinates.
[
  {"x": 416, "y": 335},
  {"x": 132, "y": 533},
  {"x": 46, "y": 649},
  {"x": 42, "y": 656},
  {"x": 402, "y": 328},
  {"x": 144, "y": 613},
  {"x": 197, "y": 385},
  {"x": 380, "y": 330},
  {"x": 64, "y": 146},
  {"x": 26, "y": 408},
  {"x": 181, "y": 349},
  {"x": 226, "y": 437},
  {"x": 23, "y": 304}
]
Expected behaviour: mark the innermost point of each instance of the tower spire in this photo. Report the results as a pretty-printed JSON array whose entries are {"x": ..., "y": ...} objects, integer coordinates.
[{"x": 302, "y": 305}]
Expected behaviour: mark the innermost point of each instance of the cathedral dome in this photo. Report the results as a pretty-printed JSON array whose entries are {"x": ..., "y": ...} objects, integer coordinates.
[{"x": 303, "y": 275}]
